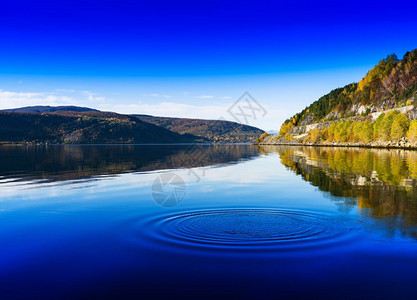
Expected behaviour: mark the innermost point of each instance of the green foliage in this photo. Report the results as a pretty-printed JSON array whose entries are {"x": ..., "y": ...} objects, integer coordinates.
[
  {"x": 383, "y": 125},
  {"x": 367, "y": 132},
  {"x": 343, "y": 131},
  {"x": 314, "y": 135},
  {"x": 400, "y": 125},
  {"x": 340, "y": 98},
  {"x": 392, "y": 125},
  {"x": 285, "y": 128},
  {"x": 412, "y": 131},
  {"x": 357, "y": 128},
  {"x": 262, "y": 137},
  {"x": 324, "y": 134},
  {"x": 381, "y": 70},
  {"x": 384, "y": 133},
  {"x": 207, "y": 130},
  {"x": 377, "y": 125},
  {"x": 288, "y": 137},
  {"x": 331, "y": 131}
]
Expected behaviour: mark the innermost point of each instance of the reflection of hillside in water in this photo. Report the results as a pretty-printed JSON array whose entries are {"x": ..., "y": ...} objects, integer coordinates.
[
  {"x": 380, "y": 182},
  {"x": 67, "y": 162}
]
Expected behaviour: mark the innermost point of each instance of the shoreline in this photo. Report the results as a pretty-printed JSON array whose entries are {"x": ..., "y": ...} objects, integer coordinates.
[
  {"x": 378, "y": 145},
  {"x": 121, "y": 144}
]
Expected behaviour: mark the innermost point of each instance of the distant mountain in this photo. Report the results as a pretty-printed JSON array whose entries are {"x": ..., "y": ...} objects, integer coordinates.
[
  {"x": 274, "y": 132},
  {"x": 71, "y": 124},
  {"x": 207, "y": 130},
  {"x": 89, "y": 127},
  {"x": 49, "y": 109}
]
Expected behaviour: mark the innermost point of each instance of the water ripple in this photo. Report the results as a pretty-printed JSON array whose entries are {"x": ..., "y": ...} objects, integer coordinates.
[{"x": 249, "y": 229}]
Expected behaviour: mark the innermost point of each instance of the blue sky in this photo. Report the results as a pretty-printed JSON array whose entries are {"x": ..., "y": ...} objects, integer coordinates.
[{"x": 193, "y": 58}]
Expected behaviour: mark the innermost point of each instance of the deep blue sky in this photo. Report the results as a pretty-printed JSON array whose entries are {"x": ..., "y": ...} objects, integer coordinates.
[{"x": 125, "y": 51}]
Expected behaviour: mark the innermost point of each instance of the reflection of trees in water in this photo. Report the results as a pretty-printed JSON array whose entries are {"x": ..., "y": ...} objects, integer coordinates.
[
  {"x": 66, "y": 162},
  {"x": 380, "y": 182}
]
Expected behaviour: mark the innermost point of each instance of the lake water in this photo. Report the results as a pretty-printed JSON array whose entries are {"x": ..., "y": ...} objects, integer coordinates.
[{"x": 203, "y": 222}]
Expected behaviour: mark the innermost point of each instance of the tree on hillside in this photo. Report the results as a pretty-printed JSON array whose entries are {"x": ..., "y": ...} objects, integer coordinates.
[
  {"x": 377, "y": 125},
  {"x": 262, "y": 137},
  {"x": 412, "y": 131},
  {"x": 286, "y": 128},
  {"x": 314, "y": 135},
  {"x": 357, "y": 130},
  {"x": 400, "y": 125},
  {"x": 367, "y": 132},
  {"x": 331, "y": 131},
  {"x": 383, "y": 125},
  {"x": 342, "y": 132},
  {"x": 324, "y": 134}
]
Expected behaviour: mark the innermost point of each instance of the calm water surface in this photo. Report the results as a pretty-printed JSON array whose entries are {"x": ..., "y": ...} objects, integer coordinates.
[{"x": 229, "y": 221}]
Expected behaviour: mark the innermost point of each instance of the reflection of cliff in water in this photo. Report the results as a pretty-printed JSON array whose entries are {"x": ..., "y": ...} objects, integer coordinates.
[
  {"x": 380, "y": 182},
  {"x": 67, "y": 162}
]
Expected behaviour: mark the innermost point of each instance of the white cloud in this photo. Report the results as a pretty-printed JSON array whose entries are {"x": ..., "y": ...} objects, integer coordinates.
[
  {"x": 206, "y": 97},
  {"x": 158, "y": 95},
  {"x": 92, "y": 96},
  {"x": 17, "y": 99},
  {"x": 66, "y": 90},
  {"x": 211, "y": 110},
  {"x": 9, "y": 99}
]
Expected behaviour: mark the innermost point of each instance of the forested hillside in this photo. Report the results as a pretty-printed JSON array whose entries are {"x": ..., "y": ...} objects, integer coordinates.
[
  {"x": 378, "y": 110},
  {"x": 207, "y": 130},
  {"x": 71, "y": 124},
  {"x": 75, "y": 128},
  {"x": 391, "y": 83}
]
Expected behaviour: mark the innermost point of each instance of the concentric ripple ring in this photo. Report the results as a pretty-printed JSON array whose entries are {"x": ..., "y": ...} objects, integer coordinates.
[{"x": 249, "y": 228}]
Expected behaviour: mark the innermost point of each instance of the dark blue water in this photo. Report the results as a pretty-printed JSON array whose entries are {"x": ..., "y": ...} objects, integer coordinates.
[{"x": 233, "y": 221}]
